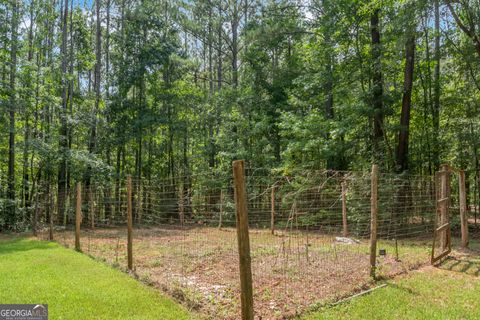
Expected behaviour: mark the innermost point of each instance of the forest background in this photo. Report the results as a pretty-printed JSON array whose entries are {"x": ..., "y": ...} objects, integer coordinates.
[{"x": 90, "y": 91}]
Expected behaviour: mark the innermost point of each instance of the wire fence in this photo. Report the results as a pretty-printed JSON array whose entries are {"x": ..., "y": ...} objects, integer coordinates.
[{"x": 309, "y": 234}]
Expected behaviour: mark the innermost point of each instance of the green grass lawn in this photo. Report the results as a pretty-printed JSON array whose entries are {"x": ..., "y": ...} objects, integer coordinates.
[
  {"x": 449, "y": 292},
  {"x": 75, "y": 286}
]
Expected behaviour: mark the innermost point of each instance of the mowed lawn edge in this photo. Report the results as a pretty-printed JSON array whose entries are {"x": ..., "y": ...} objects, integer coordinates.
[
  {"x": 75, "y": 286},
  {"x": 429, "y": 293}
]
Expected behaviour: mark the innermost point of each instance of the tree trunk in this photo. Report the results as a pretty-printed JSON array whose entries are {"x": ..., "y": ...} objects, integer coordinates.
[
  {"x": 377, "y": 90},
  {"x": 234, "y": 26},
  {"x": 63, "y": 134},
  {"x": 11, "y": 141},
  {"x": 210, "y": 51},
  {"x": 402, "y": 150},
  {"x": 97, "y": 78},
  {"x": 219, "y": 49},
  {"x": 436, "y": 100}
]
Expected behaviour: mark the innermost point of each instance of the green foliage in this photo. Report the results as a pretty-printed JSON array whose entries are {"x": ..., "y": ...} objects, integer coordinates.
[{"x": 187, "y": 87}]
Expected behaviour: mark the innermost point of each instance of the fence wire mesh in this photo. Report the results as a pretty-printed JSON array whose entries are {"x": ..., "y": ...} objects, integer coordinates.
[{"x": 304, "y": 252}]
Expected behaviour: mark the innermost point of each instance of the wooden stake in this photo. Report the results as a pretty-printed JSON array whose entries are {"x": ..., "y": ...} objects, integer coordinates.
[
  {"x": 463, "y": 207},
  {"x": 116, "y": 251},
  {"x": 373, "y": 220},
  {"x": 78, "y": 217},
  {"x": 396, "y": 249},
  {"x": 220, "y": 214},
  {"x": 243, "y": 240},
  {"x": 344, "y": 209},
  {"x": 129, "y": 223},
  {"x": 272, "y": 218},
  {"x": 306, "y": 248}
]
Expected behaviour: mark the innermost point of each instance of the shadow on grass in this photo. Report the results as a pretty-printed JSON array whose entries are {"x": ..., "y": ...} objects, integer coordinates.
[
  {"x": 402, "y": 288},
  {"x": 19, "y": 244},
  {"x": 464, "y": 264}
]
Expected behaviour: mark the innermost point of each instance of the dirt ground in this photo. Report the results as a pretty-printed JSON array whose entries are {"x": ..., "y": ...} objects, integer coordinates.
[{"x": 292, "y": 271}]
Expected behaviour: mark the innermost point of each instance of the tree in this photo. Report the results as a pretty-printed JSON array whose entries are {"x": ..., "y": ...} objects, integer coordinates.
[
  {"x": 403, "y": 138},
  {"x": 63, "y": 132},
  {"x": 377, "y": 88},
  {"x": 12, "y": 107},
  {"x": 471, "y": 24},
  {"x": 165, "y": 90}
]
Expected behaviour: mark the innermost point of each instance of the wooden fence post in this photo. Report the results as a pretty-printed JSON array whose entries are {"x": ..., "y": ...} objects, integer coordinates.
[
  {"x": 243, "y": 240},
  {"x": 78, "y": 217},
  {"x": 344, "y": 209},
  {"x": 463, "y": 207},
  {"x": 272, "y": 218},
  {"x": 129, "y": 223},
  {"x": 373, "y": 220},
  {"x": 444, "y": 203}
]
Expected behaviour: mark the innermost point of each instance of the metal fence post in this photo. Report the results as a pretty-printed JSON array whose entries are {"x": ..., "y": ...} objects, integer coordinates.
[{"x": 344, "y": 209}]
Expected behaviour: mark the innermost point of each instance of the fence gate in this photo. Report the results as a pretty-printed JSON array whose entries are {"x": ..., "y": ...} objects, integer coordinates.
[{"x": 442, "y": 229}]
